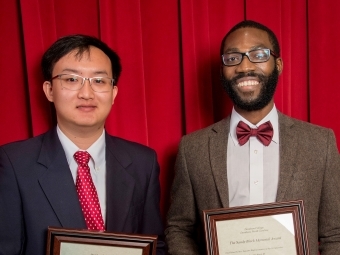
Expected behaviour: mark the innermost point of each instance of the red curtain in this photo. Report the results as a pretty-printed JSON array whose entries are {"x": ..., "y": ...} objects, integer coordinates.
[{"x": 170, "y": 55}]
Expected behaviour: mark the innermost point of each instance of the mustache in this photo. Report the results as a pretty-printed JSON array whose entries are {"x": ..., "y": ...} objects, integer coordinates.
[{"x": 249, "y": 74}]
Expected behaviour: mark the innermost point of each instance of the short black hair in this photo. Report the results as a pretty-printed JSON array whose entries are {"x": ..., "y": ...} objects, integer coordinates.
[
  {"x": 250, "y": 23},
  {"x": 82, "y": 43}
]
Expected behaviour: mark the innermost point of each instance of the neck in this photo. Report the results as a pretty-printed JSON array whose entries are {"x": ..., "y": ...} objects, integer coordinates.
[
  {"x": 83, "y": 138},
  {"x": 255, "y": 117}
]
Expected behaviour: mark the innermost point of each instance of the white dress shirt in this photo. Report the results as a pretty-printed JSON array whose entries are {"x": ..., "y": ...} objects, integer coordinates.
[
  {"x": 97, "y": 164},
  {"x": 253, "y": 169}
]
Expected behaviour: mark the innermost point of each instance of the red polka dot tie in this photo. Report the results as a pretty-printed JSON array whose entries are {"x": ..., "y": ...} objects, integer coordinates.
[{"x": 87, "y": 192}]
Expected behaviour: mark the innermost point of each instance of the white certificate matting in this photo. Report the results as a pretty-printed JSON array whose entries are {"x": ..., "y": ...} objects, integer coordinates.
[
  {"x": 263, "y": 235},
  {"x": 89, "y": 249}
]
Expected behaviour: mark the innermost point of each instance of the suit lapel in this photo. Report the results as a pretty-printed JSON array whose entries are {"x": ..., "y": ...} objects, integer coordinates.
[
  {"x": 218, "y": 150},
  {"x": 288, "y": 146},
  {"x": 119, "y": 185},
  {"x": 218, "y": 144},
  {"x": 57, "y": 183}
]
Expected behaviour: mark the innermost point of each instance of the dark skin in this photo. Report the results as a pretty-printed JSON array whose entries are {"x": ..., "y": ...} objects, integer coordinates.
[{"x": 249, "y": 88}]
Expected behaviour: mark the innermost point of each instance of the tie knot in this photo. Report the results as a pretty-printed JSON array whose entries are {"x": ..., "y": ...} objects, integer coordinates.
[
  {"x": 82, "y": 157},
  {"x": 253, "y": 131}
]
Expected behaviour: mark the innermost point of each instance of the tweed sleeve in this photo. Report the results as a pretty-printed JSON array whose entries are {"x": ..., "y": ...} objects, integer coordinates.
[
  {"x": 182, "y": 217},
  {"x": 329, "y": 211}
]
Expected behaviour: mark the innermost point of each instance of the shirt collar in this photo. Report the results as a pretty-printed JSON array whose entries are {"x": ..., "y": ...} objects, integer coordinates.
[
  {"x": 96, "y": 150},
  {"x": 272, "y": 116}
]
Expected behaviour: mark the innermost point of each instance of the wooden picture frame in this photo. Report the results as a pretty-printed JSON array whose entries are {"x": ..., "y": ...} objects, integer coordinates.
[
  {"x": 62, "y": 241},
  {"x": 257, "y": 229}
]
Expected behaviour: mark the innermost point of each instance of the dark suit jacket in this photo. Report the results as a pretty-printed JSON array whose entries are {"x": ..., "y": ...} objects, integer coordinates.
[
  {"x": 37, "y": 190},
  {"x": 309, "y": 170}
]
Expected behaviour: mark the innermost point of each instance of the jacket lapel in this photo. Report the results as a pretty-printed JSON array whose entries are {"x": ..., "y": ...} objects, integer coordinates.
[
  {"x": 288, "y": 145},
  {"x": 218, "y": 150},
  {"x": 119, "y": 185},
  {"x": 218, "y": 144},
  {"x": 57, "y": 183}
]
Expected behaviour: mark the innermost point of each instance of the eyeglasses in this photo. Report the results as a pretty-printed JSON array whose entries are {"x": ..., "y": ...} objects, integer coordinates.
[
  {"x": 76, "y": 82},
  {"x": 254, "y": 56}
]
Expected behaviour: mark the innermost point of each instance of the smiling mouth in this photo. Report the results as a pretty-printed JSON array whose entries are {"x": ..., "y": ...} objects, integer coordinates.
[{"x": 247, "y": 83}]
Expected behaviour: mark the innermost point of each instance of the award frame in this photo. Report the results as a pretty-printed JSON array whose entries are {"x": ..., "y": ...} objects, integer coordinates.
[
  {"x": 63, "y": 241},
  {"x": 235, "y": 216}
]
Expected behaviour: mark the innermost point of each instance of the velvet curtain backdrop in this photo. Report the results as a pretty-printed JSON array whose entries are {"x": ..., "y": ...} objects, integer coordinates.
[{"x": 170, "y": 55}]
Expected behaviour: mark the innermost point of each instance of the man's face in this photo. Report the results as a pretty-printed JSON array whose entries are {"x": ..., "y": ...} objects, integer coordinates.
[
  {"x": 250, "y": 86},
  {"x": 85, "y": 107}
]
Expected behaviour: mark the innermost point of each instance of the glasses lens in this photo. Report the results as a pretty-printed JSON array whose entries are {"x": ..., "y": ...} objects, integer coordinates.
[
  {"x": 71, "y": 81},
  {"x": 231, "y": 59},
  {"x": 258, "y": 56},
  {"x": 101, "y": 84}
]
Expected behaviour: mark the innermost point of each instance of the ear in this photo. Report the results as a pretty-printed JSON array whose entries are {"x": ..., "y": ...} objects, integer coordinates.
[
  {"x": 114, "y": 93},
  {"x": 279, "y": 64},
  {"x": 48, "y": 90}
]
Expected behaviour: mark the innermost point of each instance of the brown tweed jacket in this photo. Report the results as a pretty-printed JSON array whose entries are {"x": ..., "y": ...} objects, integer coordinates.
[{"x": 309, "y": 170}]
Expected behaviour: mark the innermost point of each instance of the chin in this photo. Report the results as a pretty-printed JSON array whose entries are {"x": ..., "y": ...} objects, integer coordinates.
[{"x": 87, "y": 123}]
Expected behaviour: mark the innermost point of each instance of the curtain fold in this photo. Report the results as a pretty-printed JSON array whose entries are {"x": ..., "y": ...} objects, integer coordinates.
[
  {"x": 223, "y": 15},
  {"x": 323, "y": 53},
  {"x": 14, "y": 100},
  {"x": 37, "y": 32},
  {"x": 128, "y": 116},
  {"x": 195, "y": 42},
  {"x": 288, "y": 21},
  {"x": 170, "y": 83}
]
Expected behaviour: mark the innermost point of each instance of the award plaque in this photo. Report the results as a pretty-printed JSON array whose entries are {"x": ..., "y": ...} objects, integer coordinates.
[
  {"x": 274, "y": 228},
  {"x": 61, "y": 241}
]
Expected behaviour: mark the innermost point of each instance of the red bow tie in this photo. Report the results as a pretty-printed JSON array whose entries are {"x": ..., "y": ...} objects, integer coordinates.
[{"x": 263, "y": 133}]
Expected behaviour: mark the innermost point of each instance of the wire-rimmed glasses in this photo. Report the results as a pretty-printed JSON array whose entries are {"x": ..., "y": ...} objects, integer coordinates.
[{"x": 76, "y": 82}]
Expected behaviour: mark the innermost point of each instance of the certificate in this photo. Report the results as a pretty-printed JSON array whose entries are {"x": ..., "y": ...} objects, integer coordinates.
[
  {"x": 264, "y": 229},
  {"x": 61, "y": 241}
]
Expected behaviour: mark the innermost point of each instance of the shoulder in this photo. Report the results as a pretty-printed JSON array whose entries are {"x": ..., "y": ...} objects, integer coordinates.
[
  {"x": 300, "y": 124},
  {"x": 26, "y": 153},
  {"x": 305, "y": 130},
  {"x": 220, "y": 128},
  {"x": 136, "y": 158},
  {"x": 27, "y": 146},
  {"x": 133, "y": 148}
]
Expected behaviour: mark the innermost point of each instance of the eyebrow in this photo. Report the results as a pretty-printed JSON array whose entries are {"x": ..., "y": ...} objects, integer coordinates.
[
  {"x": 259, "y": 46},
  {"x": 77, "y": 72},
  {"x": 101, "y": 72},
  {"x": 70, "y": 70}
]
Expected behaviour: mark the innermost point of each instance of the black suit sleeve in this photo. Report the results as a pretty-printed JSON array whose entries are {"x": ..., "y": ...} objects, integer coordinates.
[
  {"x": 152, "y": 219},
  {"x": 11, "y": 218}
]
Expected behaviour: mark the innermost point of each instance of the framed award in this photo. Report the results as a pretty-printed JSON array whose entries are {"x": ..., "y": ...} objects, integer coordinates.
[
  {"x": 274, "y": 228},
  {"x": 61, "y": 241}
]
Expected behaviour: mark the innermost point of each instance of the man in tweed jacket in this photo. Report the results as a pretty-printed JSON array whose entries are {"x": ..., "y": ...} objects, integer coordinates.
[{"x": 213, "y": 169}]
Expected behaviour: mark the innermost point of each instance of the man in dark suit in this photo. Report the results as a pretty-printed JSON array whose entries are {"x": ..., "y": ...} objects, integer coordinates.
[
  {"x": 39, "y": 178},
  {"x": 256, "y": 155}
]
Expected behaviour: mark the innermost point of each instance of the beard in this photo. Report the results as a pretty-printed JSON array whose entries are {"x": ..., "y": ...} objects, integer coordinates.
[{"x": 267, "y": 91}]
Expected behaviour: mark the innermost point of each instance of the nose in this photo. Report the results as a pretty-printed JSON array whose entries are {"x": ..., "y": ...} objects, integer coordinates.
[
  {"x": 86, "y": 91},
  {"x": 245, "y": 65}
]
